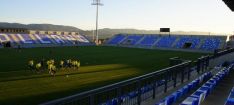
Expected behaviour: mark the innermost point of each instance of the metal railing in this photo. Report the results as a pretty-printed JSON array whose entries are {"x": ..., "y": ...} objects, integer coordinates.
[
  {"x": 130, "y": 91},
  {"x": 136, "y": 90},
  {"x": 223, "y": 52}
]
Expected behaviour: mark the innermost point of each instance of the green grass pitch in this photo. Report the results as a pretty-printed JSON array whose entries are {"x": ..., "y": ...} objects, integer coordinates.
[{"x": 99, "y": 66}]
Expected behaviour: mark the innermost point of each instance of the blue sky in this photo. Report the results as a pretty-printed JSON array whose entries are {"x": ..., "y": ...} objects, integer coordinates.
[{"x": 185, "y": 15}]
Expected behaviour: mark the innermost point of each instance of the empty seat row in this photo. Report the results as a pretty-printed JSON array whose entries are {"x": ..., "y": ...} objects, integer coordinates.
[
  {"x": 202, "y": 93},
  {"x": 230, "y": 100},
  {"x": 132, "y": 39},
  {"x": 148, "y": 40},
  {"x": 130, "y": 97},
  {"x": 166, "y": 42},
  {"x": 175, "y": 96},
  {"x": 198, "y": 42},
  {"x": 183, "y": 40},
  {"x": 116, "y": 39},
  {"x": 211, "y": 44}
]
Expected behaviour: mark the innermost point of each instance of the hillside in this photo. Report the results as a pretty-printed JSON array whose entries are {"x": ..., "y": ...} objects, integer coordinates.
[
  {"x": 46, "y": 27},
  {"x": 107, "y": 32},
  {"x": 103, "y": 33}
]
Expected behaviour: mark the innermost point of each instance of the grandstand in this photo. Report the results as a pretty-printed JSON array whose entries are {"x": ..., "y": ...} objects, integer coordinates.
[
  {"x": 149, "y": 40},
  {"x": 194, "y": 42},
  {"x": 43, "y": 40}
]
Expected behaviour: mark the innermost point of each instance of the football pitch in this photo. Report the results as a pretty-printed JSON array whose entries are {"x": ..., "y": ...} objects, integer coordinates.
[{"x": 99, "y": 66}]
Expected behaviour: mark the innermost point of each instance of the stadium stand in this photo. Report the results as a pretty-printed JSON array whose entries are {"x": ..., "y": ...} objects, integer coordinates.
[
  {"x": 211, "y": 44},
  {"x": 194, "y": 42},
  {"x": 200, "y": 95},
  {"x": 33, "y": 40},
  {"x": 116, "y": 39},
  {"x": 149, "y": 40},
  {"x": 190, "y": 40},
  {"x": 230, "y": 100},
  {"x": 206, "y": 89},
  {"x": 166, "y": 41},
  {"x": 184, "y": 90},
  {"x": 132, "y": 39}
]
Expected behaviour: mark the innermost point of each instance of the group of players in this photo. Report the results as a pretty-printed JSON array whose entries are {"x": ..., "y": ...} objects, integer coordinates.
[{"x": 51, "y": 65}]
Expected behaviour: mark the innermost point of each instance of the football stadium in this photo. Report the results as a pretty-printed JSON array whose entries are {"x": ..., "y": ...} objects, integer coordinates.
[{"x": 44, "y": 64}]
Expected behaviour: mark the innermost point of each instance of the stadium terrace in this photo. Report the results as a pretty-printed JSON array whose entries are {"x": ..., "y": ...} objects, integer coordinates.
[{"x": 43, "y": 39}]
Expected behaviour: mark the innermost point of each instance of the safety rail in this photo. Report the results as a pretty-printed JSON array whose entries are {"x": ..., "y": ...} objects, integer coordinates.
[
  {"x": 120, "y": 89},
  {"x": 131, "y": 91}
]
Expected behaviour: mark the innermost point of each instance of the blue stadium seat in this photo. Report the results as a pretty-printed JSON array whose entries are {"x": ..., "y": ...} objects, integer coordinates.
[
  {"x": 149, "y": 40},
  {"x": 124, "y": 98},
  {"x": 116, "y": 39},
  {"x": 211, "y": 44},
  {"x": 207, "y": 88},
  {"x": 162, "y": 102},
  {"x": 193, "y": 100},
  {"x": 133, "y": 39},
  {"x": 177, "y": 95},
  {"x": 200, "y": 95},
  {"x": 183, "y": 40},
  {"x": 209, "y": 85},
  {"x": 132, "y": 94},
  {"x": 190, "y": 101},
  {"x": 160, "y": 82},
  {"x": 166, "y": 41},
  {"x": 197, "y": 42},
  {"x": 170, "y": 99},
  {"x": 230, "y": 100}
]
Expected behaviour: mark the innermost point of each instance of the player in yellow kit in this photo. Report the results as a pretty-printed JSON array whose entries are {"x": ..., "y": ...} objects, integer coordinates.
[
  {"x": 61, "y": 64},
  {"x": 38, "y": 67},
  {"x": 48, "y": 62},
  {"x": 78, "y": 64},
  {"x": 74, "y": 64},
  {"x": 31, "y": 65},
  {"x": 52, "y": 69}
]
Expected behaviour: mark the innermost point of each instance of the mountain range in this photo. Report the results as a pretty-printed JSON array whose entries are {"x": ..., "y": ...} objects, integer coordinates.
[{"x": 103, "y": 33}]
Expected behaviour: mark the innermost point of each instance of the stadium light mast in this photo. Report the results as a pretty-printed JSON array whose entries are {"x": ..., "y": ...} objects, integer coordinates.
[{"x": 97, "y": 3}]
